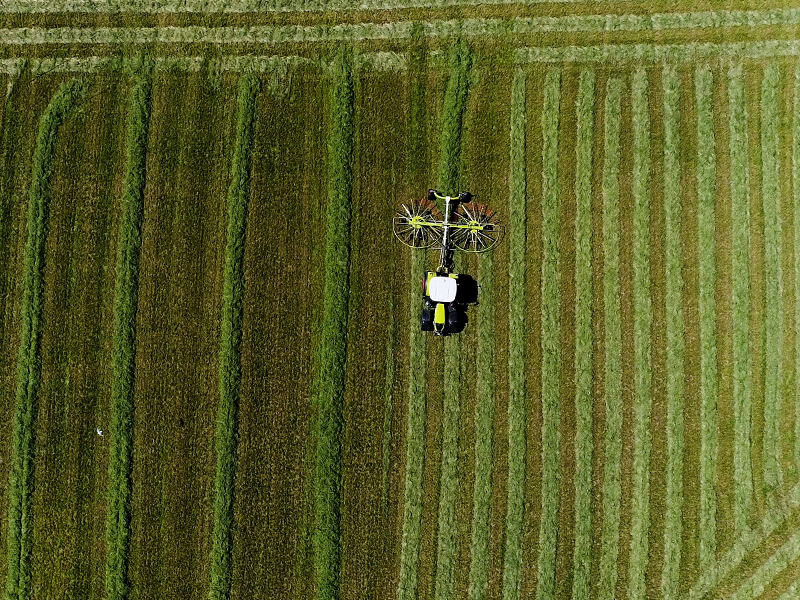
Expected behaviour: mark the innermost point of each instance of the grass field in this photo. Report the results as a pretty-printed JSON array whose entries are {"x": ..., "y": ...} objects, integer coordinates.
[{"x": 214, "y": 380}]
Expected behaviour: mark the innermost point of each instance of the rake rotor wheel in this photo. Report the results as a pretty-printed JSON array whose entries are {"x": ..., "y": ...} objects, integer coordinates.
[
  {"x": 411, "y": 224},
  {"x": 486, "y": 231}
]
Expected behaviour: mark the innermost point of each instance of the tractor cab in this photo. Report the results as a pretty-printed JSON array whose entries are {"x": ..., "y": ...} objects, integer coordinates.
[{"x": 439, "y": 296}]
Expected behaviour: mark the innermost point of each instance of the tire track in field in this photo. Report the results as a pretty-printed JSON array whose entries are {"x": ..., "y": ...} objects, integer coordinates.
[{"x": 20, "y": 517}]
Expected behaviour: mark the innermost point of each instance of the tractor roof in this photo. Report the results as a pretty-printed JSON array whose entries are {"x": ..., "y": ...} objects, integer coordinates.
[{"x": 442, "y": 289}]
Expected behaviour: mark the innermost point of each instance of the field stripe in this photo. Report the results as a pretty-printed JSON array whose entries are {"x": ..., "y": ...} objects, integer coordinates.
[
  {"x": 742, "y": 379},
  {"x": 551, "y": 329},
  {"x": 706, "y": 187},
  {"x": 773, "y": 334},
  {"x": 517, "y": 417},
  {"x": 126, "y": 302},
  {"x": 20, "y": 517},
  {"x": 778, "y": 562},
  {"x": 643, "y": 318},
  {"x": 230, "y": 359},
  {"x": 455, "y": 105},
  {"x": 330, "y": 379},
  {"x": 796, "y": 198},
  {"x": 613, "y": 346},
  {"x": 792, "y": 593},
  {"x": 582, "y": 555},
  {"x": 388, "y": 411},
  {"x": 675, "y": 336}
]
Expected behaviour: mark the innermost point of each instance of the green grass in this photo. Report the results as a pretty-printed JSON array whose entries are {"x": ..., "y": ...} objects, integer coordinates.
[
  {"x": 124, "y": 338},
  {"x": 512, "y": 558},
  {"x": 742, "y": 379},
  {"x": 330, "y": 379},
  {"x": 706, "y": 189},
  {"x": 20, "y": 517},
  {"x": 230, "y": 358},
  {"x": 673, "y": 283},
  {"x": 551, "y": 350},
  {"x": 755, "y": 586},
  {"x": 796, "y": 198},
  {"x": 613, "y": 346},
  {"x": 582, "y": 554}
]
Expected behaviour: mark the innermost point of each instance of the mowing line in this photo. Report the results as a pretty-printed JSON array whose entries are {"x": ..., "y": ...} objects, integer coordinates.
[
  {"x": 583, "y": 338},
  {"x": 706, "y": 188},
  {"x": 551, "y": 329},
  {"x": 126, "y": 302},
  {"x": 388, "y": 396},
  {"x": 773, "y": 330},
  {"x": 675, "y": 336},
  {"x": 455, "y": 105},
  {"x": 742, "y": 379},
  {"x": 613, "y": 345},
  {"x": 332, "y": 353},
  {"x": 796, "y": 197},
  {"x": 517, "y": 414},
  {"x": 230, "y": 359},
  {"x": 777, "y": 563},
  {"x": 792, "y": 593},
  {"x": 29, "y": 366},
  {"x": 643, "y": 319}
]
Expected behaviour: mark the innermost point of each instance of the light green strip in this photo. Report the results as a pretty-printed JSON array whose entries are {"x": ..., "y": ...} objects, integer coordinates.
[
  {"x": 796, "y": 198},
  {"x": 551, "y": 348},
  {"x": 773, "y": 330},
  {"x": 742, "y": 381},
  {"x": 582, "y": 555},
  {"x": 706, "y": 196},
  {"x": 517, "y": 417},
  {"x": 793, "y": 593},
  {"x": 613, "y": 346},
  {"x": 484, "y": 429},
  {"x": 272, "y": 34},
  {"x": 673, "y": 283},
  {"x": 777, "y": 563},
  {"x": 643, "y": 319},
  {"x": 653, "y": 53}
]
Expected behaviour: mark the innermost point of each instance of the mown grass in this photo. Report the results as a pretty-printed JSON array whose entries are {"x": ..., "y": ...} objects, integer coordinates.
[
  {"x": 450, "y": 182},
  {"x": 517, "y": 446},
  {"x": 755, "y": 586},
  {"x": 796, "y": 198},
  {"x": 742, "y": 379},
  {"x": 582, "y": 554},
  {"x": 551, "y": 350},
  {"x": 20, "y": 517},
  {"x": 126, "y": 300},
  {"x": 230, "y": 357},
  {"x": 332, "y": 354},
  {"x": 773, "y": 318},
  {"x": 673, "y": 522},
  {"x": 613, "y": 346},
  {"x": 706, "y": 188}
]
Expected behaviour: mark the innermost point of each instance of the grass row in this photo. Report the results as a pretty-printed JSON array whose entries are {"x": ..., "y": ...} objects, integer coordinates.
[
  {"x": 126, "y": 301},
  {"x": 773, "y": 334},
  {"x": 454, "y": 108},
  {"x": 643, "y": 320},
  {"x": 332, "y": 353},
  {"x": 230, "y": 356},
  {"x": 796, "y": 198},
  {"x": 29, "y": 364},
  {"x": 755, "y": 586},
  {"x": 742, "y": 381},
  {"x": 582, "y": 555},
  {"x": 517, "y": 417},
  {"x": 673, "y": 283},
  {"x": 706, "y": 187},
  {"x": 612, "y": 453},
  {"x": 551, "y": 349}
]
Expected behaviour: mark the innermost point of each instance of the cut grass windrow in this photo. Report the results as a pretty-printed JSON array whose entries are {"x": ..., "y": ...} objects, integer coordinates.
[
  {"x": 788, "y": 553},
  {"x": 792, "y": 593},
  {"x": 332, "y": 353},
  {"x": 773, "y": 331},
  {"x": 742, "y": 379},
  {"x": 643, "y": 319},
  {"x": 455, "y": 105},
  {"x": 126, "y": 302},
  {"x": 675, "y": 336},
  {"x": 796, "y": 198},
  {"x": 583, "y": 338},
  {"x": 551, "y": 350},
  {"x": 230, "y": 359},
  {"x": 517, "y": 447},
  {"x": 613, "y": 346},
  {"x": 706, "y": 188},
  {"x": 29, "y": 364}
]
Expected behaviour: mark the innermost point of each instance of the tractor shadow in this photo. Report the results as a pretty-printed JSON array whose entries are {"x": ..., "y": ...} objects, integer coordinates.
[{"x": 466, "y": 296}]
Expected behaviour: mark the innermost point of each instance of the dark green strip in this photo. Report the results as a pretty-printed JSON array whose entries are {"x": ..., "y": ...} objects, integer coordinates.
[
  {"x": 126, "y": 299},
  {"x": 230, "y": 361},
  {"x": 330, "y": 378},
  {"x": 20, "y": 518}
]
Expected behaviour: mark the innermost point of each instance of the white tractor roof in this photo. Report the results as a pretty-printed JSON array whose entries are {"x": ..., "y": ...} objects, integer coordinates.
[{"x": 442, "y": 289}]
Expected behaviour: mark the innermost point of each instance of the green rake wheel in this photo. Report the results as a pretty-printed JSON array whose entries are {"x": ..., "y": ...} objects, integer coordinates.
[
  {"x": 419, "y": 224},
  {"x": 477, "y": 228}
]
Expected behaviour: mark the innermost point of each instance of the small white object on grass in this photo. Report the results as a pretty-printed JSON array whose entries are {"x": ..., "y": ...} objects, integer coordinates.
[{"x": 99, "y": 432}]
